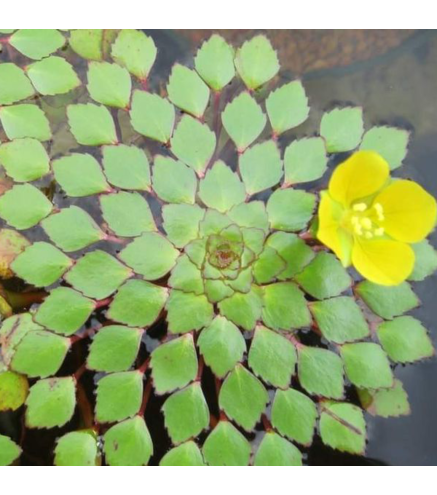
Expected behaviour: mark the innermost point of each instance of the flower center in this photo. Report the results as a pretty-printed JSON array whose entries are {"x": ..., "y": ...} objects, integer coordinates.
[{"x": 363, "y": 220}]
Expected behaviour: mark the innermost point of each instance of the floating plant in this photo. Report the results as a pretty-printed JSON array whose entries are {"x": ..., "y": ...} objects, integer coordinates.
[{"x": 176, "y": 235}]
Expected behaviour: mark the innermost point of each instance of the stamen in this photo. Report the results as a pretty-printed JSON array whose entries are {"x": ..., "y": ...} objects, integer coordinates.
[
  {"x": 360, "y": 207},
  {"x": 355, "y": 221},
  {"x": 366, "y": 223},
  {"x": 379, "y": 211},
  {"x": 358, "y": 229},
  {"x": 379, "y": 232},
  {"x": 368, "y": 235}
]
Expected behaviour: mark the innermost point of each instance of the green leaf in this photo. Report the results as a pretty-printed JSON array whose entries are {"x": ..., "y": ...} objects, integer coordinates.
[
  {"x": 25, "y": 121},
  {"x": 268, "y": 266},
  {"x": 388, "y": 302},
  {"x": 13, "y": 391},
  {"x": 187, "y": 311},
  {"x": 213, "y": 223},
  {"x": 340, "y": 319},
  {"x": 243, "y": 309},
  {"x": 114, "y": 348},
  {"x": 150, "y": 255},
  {"x": 405, "y": 340},
  {"x": 77, "y": 448},
  {"x": 290, "y": 209},
  {"x": 244, "y": 120},
  {"x": 221, "y": 188},
  {"x": 342, "y": 129},
  {"x": 37, "y": 43},
  {"x": 261, "y": 167},
  {"x": 174, "y": 364},
  {"x": 40, "y": 354},
  {"x": 152, "y": 116},
  {"x": 64, "y": 311},
  {"x": 119, "y": 396},
  {"x": 285, "y": 307},
  {"x": 272, "y": 357},
  {"x": 193, "y": 143},
  {"x": 51, "y": 402},
  {"x": 186, "y": 276},
  {"x": 109, "y": 84},
  {"x": 243, "y": 397},
  {"x": 137, "y": 303},
  {"x": 305, "y": 160},
  {"x": 276, "y": 451},
  {"x": 391, "y": 402},
  {"x": 366, "y": 365},
  {"x": 222, "y": 346},
  {"x": 226, "y": 446},
  {"x": 128, "y": 443},
  {"x": 287, "y": 107},
  {"x": 186, "y": 454},
  {"x": 294, "y": 415},
  {"x": 11, "y": 245},
  {"x": 24, "y": 206},
  {"x": 186, "y": 413},
  {"x": 14, "y": 85},
  {"x": 87, "y": 43},
  {"x": 181, "y": 222},
  {"x": 136, "y": 51},
  {"x": 251, "y": 215},
  {"x": 187, "y": 91},
  {"x": 9, "y": 451},
  {"x": 173, "y": 181},
  {"x": 425, "y": 263},
  {"x": 97, "y": 274},
  {"x": 256, "y": 62},
  {"x": 293, "y": 250},
  {"x": 24, "y": 160},
  {"x": 126, "y": 167},
  {"x": 128, "y": 214},
  {"x": 53, "y": 76},
  {"x": 389, "y": 142},
  {"x": 343, "y": 428},
  {"x": 12, "y": 332},
  {"x": 324, "y": 277},
  {"x": 320, "y": 372},
  {"x": 215, "y": 62},
  {"x": 72, "y": 229},
  {"x": 91, "y": 125},
  {"x": 80, "y": 175}
]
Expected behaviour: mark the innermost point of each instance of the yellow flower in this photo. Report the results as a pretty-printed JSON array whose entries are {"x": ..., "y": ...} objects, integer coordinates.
[{"x": 369, "y": 220}]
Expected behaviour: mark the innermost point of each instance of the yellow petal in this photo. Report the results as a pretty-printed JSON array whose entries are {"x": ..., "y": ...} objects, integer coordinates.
[
  {"x": 330, "y": 232},
  {"x": 409, "y": 212},
  {"x": 361, "y": 175},
  {"x": 383, "y": 262}
]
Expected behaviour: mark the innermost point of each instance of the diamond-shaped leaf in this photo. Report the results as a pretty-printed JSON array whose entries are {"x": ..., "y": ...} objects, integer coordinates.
[
  {"x": 186, "y": 454},
  {"x": 109, "y": 84},
  {"x": 173, "y": 181},
  {"x": 12, "y": 244},
  {"x": 226, "y": 446},
  {"x": 14, "y": 85},
  {"x": 37, "y": 43},
  {"x": 53, "y": 76},
  {"x": 187, "y": 311},
  {"x": 387, "y": 402},
  {"x": 425, "y": 263},
  {"x": 87, "y": 43},
  {"x": 24, "y": 160},
  {"x": 389, "y": 142},
  {"x": 77, "y": 448},
  {"x": 25, "y": 121},
  {"x": 243, "y": 309},
  {"x": 290, "y": 209},
  {"x": 186, "y": 276},
  {"x": 252, "y": 215},
  {"x": 91, "y": 125},
  {"x": 305, "y": 160},
  {"x": 268, "y": 266},
  {"x": 13, "y": 391},
  {"x": 276, "y": 451},
  {"x": 181, "y": 222},
  {"x": 342, "y": 129},
  {"x": 12, "y": 332},
  {"x": 9, "y": 451}
]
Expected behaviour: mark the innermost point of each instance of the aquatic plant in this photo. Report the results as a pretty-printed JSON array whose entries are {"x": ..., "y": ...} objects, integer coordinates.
[{"x": 173, "y": 231}]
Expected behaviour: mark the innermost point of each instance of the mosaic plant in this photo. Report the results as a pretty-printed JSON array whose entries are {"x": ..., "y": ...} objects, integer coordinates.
[{"x": 175, "y": 231}]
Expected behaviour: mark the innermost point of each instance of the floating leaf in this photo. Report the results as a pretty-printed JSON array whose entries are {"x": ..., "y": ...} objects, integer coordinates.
[
  {"x": 276, "y": 451},
  {"x": 391, "y": 402},
  {"x": 14, "y": 85},
  {"x": 128, "y": 443},
  {"x": 137, "y": 303},
  {"x": 24, "y": 206},
  {"x": 243, "y": 120},
  {"x": 91, "y": 125},
  {"x": 77, "y": 448},
  {"x": 51, "y": 402},
  {"x": 186, "y": 454},
  {"x": 215, "y": 62},
  {"x": 119, "y": 396},
  {"x": 13, "y": 391},
  {"x": 243, "y": 397},
  {"x": 222, "y": 346},
  {"x": 287, "y": 107},
  {"x": 243, "y": 309},
  {"x": 9, "y": 451},
  {"x": 37, "y": 43},
  {"x": 305, "y": 160},
  {"x": 127, "y": 213},
  {"x": 342, "y": 129},
  {"x": 12, "y": 332},
  {"x": 181, "y": 222},
  {"x": 187, "y": 311},
  {"x": 186, "y": 276},
  {"x": 250, "y": 215},
  {"x": 256, "y": 62},
  {"x": 226, "y": 446},
  {"x": 24, "y": 160},
  {"x": 114, "y": 348},
  {"x": 174, "y": 364},
  {"x": 425, "y": 263},
  {"x": 136, "y": 51},
  {"x": 11, "y": 245},
  {"x": 290, "y": 209},
  {"x": 64, "y": 311},
  {"x": 87, "y": 43},
  {"x": 388, "y": 302},
  {"x": 152, "y": 116},
  {"x": 268, "y": 265},
  {"x": 405, "y": 340},
  {"x": 53, "y": 76},
  {"x": 186, "y": 413},
  {"x": 173, "y": 181},
  {"x": 109, "y": 84},
  {"x": 25, "y": 121},
  {"x": 389, "y": 142},
  {"x": 272, "y": 357}
]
